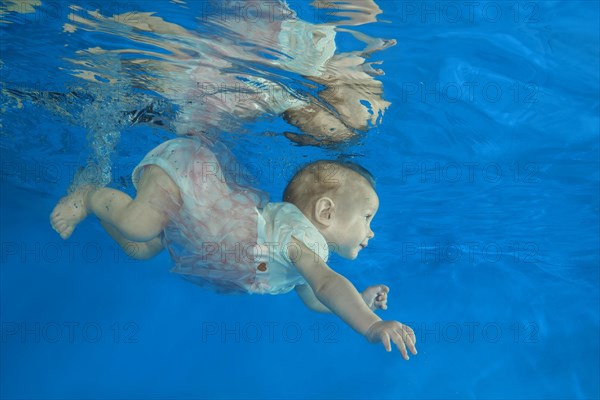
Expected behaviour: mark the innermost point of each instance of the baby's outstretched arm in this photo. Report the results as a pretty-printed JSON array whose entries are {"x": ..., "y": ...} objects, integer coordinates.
[
  {"x": 308, "y": 297},
  {"x": 374, "y": 296},
  {"x": 341, "y": 297}
]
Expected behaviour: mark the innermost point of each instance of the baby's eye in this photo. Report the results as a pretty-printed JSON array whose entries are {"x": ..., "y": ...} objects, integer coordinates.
[{"x": 368, "y": 216}]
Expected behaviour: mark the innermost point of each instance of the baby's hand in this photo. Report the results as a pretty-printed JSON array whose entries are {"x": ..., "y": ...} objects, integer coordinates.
[
  {"x": 385, "y": 331},
  {"x": 376, "y": 297}
]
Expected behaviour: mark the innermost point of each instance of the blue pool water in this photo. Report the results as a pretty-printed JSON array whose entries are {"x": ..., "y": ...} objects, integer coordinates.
[{"x": 487, "y": 234}]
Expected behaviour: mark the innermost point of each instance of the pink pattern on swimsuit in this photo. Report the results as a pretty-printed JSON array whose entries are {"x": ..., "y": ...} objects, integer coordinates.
[{"x": 212, "y": 235}]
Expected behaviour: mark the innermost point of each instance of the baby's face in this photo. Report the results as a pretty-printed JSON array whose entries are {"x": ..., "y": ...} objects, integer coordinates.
[{"x": 351, "y": 226}]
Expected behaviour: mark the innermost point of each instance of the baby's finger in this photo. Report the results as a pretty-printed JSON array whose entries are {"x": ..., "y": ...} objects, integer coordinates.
[
  {"x": 385, "y": 339},
  {"x": 410, "y": 343},
  {"x": 401, "y": 346},
  {"x": 409, "y": 338},
  {"x": 381, "y": 304},
  {"x": 413, "y": 338},
  {"x": 410, "y": 333}
]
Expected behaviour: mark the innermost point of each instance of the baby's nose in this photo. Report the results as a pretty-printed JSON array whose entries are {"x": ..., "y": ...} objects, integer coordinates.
[{"x": 371, "y": 234}]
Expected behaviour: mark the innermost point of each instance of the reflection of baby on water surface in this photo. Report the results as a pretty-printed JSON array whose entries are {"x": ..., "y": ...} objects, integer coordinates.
[
  {"x": 309, "y": 50},
  {"x": 269, "y": 63}
]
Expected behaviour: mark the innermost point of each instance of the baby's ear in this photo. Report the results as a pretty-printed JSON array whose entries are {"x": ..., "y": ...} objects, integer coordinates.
[{"x": 324, "y": 210}]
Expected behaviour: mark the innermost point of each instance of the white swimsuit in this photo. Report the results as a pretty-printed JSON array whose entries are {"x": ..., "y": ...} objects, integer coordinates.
[{"x": 225, "y": 233}]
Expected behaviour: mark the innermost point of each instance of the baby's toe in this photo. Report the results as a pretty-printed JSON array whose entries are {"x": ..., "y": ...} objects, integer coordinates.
[
  {"x": 57, "y": 222},
  {"x": 65, "y": 233},
  {"x": 56, "y": 218}
]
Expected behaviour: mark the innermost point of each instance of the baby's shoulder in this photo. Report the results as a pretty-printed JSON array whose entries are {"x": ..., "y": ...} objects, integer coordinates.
[{"x": 281, "y": 212}]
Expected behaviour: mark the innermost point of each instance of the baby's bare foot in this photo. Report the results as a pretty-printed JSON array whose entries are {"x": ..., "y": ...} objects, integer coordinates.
[{"x": 70, "y": 211}]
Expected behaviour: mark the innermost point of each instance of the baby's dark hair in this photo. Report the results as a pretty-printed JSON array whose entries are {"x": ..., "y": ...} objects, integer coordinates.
[{"x": 322, "y": 178}]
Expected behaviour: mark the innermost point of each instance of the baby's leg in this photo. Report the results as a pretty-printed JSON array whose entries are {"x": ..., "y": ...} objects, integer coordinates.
[
  {"x": 137, "y": 250},
  {"x": 134, "y": 220}
]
